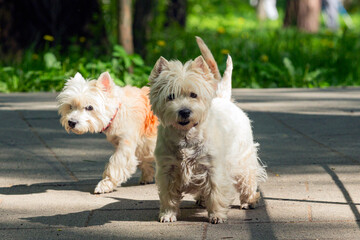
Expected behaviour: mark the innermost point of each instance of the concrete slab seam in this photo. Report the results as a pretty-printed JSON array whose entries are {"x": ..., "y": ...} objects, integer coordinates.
[
  {"x": 71, "y": 174},
  {"x": 309, "y": 210},
  {"x": 91, "y": 213},
  {"x": 204, "y": 233},
  {"x": 310, "y": 201}
]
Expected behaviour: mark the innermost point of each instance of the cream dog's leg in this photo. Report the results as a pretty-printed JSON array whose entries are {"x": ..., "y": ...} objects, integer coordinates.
[{"x": 170, "y": 195}]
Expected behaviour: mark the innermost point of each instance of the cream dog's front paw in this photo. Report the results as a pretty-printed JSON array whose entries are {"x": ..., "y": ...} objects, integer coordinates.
[
  {"x": 146, "y": 180},
  {"x": 167, "y": 217},
  {"x": 104, "y": 186}
]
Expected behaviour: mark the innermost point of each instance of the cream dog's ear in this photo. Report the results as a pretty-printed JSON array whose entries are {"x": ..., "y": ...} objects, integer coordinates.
[
  {"x": 105, "y": 82},
  {"x": 199, "y": 65},
  {"x": 160, "y": 65}
]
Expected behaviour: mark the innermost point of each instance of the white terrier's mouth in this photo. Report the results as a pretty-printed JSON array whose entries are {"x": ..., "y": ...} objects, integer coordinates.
[{"x": 76, "y": 131}]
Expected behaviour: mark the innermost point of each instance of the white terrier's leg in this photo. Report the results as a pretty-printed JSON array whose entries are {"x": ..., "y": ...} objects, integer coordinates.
[
  {"x": 247, "y": 188},
  {"x": 147, "y": 170},
  {"x": 219, "y": 199},
  {"x": 121, "y": 166},
  {"x": 170, "y": 196},
  {"x": 217, "y": 206},
  {"x": 200, "y": 200}
]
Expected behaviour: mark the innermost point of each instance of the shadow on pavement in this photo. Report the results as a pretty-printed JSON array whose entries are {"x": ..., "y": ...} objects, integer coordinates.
[
  {"x": 345, "y": 192},
  {"x": 136, "y": 210},
  {"x": 87, "y": 186}
]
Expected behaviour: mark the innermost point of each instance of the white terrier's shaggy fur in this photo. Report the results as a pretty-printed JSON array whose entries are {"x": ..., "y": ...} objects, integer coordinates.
[
  {"x": 205, "y": 145},
  {"x": 123, "y": 114}
]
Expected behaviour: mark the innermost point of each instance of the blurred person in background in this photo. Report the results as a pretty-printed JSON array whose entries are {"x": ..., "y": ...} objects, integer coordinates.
[
  {"x": 332, "y": 9},
  {"x": 265, "y": 9}
]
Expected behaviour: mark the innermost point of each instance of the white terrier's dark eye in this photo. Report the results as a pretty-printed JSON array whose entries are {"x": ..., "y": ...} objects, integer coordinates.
[
  {"x": 171, "y": 97},
  {"x": 193, "y": 95},
  {"x": 89, "y": 108},
  {"x": 70, "y": 107}
]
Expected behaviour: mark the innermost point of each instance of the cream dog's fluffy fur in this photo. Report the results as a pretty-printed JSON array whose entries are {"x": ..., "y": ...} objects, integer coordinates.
[
  {"x": 123, "y": 114},
  {"x": 205, "y": 145}
]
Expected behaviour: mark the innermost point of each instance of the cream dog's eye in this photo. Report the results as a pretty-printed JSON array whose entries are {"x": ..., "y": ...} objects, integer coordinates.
[
  {"x": 70, "y": 107},
  {"x": 193, "y": 95},
  {"x": 89, "y": 108},
  {"x": 171, "y": 97}
]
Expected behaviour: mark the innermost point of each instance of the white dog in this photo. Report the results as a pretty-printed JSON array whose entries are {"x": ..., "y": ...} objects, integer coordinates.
[
  {"x": 123, "y": 114},
  {"x": 205, "y": 144}
]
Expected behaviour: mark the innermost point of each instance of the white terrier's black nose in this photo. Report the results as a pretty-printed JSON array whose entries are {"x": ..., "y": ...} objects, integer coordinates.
[
  {"x": 72, "y": 124},
  {"x": 185, "y": 113}
]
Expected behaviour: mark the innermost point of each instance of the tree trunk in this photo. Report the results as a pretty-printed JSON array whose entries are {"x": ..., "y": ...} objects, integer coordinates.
[
  {"x": 125, "y": 26},
  {"x": 304, "y": 14},
  {"x": 176, "y": 13},
  {"x": 141, "y": 28},
  {"x": 308, "y": 16},
  {"x": 349, "y": 3}
]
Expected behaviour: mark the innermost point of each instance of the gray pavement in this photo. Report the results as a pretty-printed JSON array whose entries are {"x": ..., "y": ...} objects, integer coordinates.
[{"x": 309, "y": 139}]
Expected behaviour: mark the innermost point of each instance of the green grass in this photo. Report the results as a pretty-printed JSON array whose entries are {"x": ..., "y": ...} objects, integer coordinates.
[{"x": 264, "y": 54}]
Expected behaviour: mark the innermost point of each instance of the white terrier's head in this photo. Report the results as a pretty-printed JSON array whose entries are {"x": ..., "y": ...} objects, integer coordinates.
[
  {"x": 86, "y": 106},
  {"x": 181, "y": 95}
]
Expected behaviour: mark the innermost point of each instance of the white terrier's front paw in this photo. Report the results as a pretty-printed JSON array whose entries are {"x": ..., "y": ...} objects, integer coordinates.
[
  {"x": 104, "y": 186},
  {"x": 244, "y": 206},
  {"x": 167, "y": 217},
  {"x": 247, "y": 205},
  {"x": 214, "y": 219}
]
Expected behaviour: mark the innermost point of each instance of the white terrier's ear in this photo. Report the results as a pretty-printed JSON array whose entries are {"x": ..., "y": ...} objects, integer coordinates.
[
  {"x": 105, "y": 82},
  {"x": 160, "y": 65},
  {"x": 199, "y": 63},
  {"x": 78, "y": 76}
]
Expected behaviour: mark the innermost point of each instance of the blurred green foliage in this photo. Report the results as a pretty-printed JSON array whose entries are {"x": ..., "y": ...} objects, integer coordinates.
[
  {"x": 273, "y": 58},
  {"x": 46, "y": 71},
  {"x": 264, "y": 54}
]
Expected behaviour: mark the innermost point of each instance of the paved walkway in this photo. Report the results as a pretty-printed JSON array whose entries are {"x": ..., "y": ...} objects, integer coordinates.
[{"x": 310, "y": 140}]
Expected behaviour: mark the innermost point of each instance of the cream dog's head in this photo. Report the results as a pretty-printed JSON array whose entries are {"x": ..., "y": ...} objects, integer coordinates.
[
  {"x": 87, "y": 106},
  {"x": 181, "y": 95}
]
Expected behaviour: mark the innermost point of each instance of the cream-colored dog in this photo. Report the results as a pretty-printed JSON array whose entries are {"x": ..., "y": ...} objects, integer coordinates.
[
  {"x": 205, "y": 144},
  {"x": 123, "y": 114}
]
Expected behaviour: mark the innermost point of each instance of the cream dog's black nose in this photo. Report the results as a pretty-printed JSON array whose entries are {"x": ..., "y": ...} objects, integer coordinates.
[
  {"x": 72, "y": 124},
  {"x": 185, "y": 113}
]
